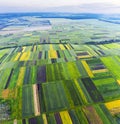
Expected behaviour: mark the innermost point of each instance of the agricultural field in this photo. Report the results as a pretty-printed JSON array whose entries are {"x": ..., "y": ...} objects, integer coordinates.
[{"x": 59, "y": 71}]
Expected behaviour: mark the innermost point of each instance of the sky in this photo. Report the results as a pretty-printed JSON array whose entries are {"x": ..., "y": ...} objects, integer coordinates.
[{"x": 92, "y": 6}]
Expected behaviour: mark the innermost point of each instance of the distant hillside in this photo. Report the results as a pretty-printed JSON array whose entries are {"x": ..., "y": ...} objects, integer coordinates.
[{"x": 53, "y": 15}]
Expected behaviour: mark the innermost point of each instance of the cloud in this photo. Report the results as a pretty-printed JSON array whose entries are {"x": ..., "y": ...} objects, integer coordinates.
[
  {"x": 89, "y": 8},
  {"x": 83, "y": 8}
]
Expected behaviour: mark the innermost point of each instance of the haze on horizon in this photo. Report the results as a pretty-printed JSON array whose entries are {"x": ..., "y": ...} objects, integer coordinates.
[{"x": 80, "y": 6}]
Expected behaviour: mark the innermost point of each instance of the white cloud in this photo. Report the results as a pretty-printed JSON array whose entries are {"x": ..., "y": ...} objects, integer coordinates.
[{"x": 51, "y": 5}]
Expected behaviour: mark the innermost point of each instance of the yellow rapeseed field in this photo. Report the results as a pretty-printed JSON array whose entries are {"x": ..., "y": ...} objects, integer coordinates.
[
  {"x": 17, "y": 57},
  {"x": 100, "y": 70},
  {"x": 113, "y": 104},
  {"x": 65, "y": 117},
  {"x": 35, "y": 48},
  {"x": 84, "y": 56},
  {"x": 87, "y": 68},
  {"x": 21, "y": 76},
  {"x": 25, "y": 56},
  {"x": 52, "y": 54},
  {"x": 80, "y": 91},
  {"x": 118, "y": 81},
  {"x": 51, "y": 47},
  {"x": 67, "y": 47},
  {"x": 23, "y": 49},
  {"x": 61, "y": 47},
  {"x": 44, "y": 118}
]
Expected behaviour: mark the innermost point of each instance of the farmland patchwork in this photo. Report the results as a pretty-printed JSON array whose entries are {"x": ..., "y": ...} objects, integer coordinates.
[{"x": 59, "y": 81}]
